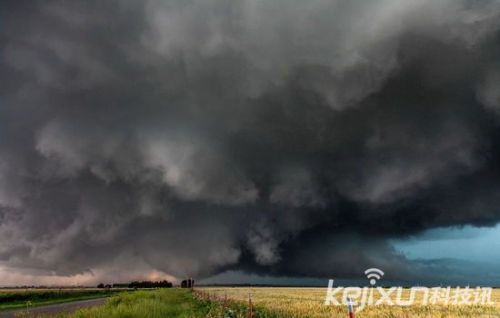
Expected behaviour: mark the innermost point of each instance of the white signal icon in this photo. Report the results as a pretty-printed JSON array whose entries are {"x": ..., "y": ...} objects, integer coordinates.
[{"x": 374, "y": 274}]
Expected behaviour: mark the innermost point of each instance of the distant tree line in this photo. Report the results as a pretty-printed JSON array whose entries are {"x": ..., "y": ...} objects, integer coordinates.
[
  {"x": 143, "y": 284},
  {"x": 147, "y": 284}
]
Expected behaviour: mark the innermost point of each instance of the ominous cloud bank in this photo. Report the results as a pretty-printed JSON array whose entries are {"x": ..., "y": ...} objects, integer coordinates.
[{"x": 279, "y": 137}]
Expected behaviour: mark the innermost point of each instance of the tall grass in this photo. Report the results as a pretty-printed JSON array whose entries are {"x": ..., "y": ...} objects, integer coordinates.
[
  {"x": 167, "y": 303},
  {"x": 269, "y": 303},
  {"x": 160, "y": 303},
  {"x": 309, "y": 303}
]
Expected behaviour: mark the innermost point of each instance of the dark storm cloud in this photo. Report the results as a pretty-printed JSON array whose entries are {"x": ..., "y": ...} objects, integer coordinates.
[{"x": 291, "y": 138}]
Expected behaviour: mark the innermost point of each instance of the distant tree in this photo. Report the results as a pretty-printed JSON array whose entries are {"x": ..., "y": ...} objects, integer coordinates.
[
  {"x": 101, "y": 285},
  {"x": 148, "y": 284}
]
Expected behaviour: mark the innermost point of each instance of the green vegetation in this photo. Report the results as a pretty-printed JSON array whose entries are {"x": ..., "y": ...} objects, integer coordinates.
[
  {"x": 269, "y": 303},
  {"x": 161, "y": 303},
  {"x": 13, "y": 299}
]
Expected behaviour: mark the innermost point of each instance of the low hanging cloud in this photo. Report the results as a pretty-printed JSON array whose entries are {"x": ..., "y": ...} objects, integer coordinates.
[{"x": 191, "y": 138}]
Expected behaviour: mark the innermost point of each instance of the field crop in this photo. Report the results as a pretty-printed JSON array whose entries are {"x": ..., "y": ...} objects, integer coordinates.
[
  {"x": 309, "y": 302},
  {"x": 267, "y": 303}
]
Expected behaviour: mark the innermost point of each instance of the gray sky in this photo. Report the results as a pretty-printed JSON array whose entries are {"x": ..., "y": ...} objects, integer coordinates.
[{"x": 279, "y": 139}]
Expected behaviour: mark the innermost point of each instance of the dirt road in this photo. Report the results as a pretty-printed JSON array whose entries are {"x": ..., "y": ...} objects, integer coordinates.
[{"x": 52, "y": 309}]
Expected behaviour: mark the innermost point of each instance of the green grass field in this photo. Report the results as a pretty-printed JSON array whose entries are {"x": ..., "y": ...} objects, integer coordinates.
[
  {"x": 161, "y": 303},
  {"x": 16, "y": 298}
]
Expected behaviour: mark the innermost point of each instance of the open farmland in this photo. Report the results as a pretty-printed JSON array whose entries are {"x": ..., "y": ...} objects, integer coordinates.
[
  {"x": 309, "y": 302},
  {"x": 232, "y": 302}
]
